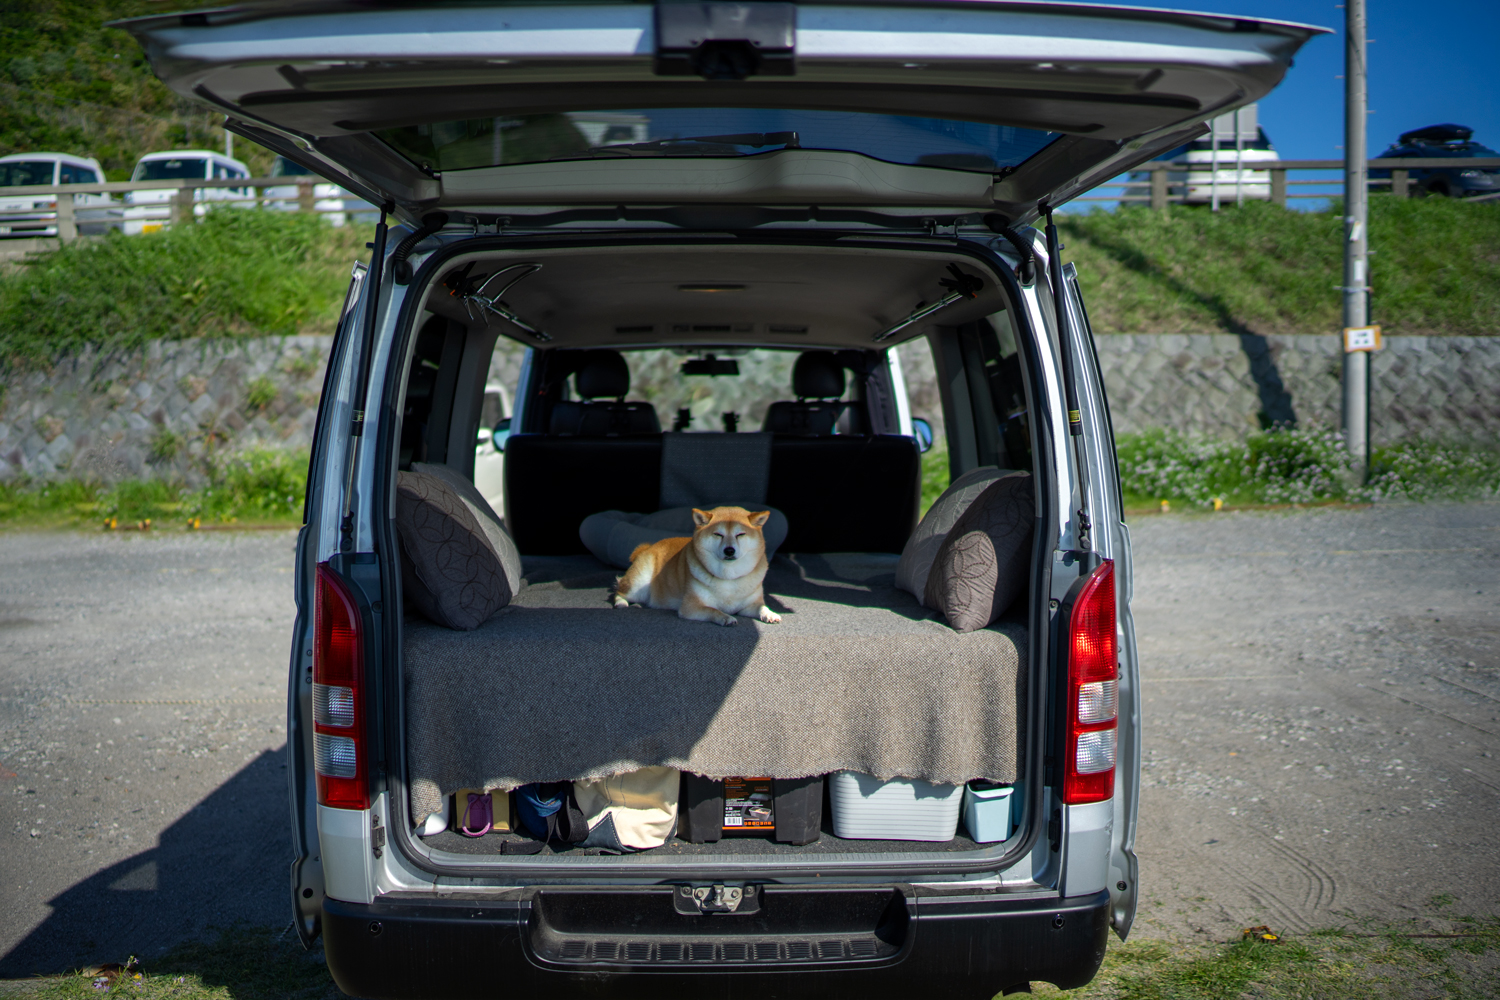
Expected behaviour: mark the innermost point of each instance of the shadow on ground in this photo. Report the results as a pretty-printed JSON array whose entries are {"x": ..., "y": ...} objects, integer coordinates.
[{"x": 225, "y": 862}]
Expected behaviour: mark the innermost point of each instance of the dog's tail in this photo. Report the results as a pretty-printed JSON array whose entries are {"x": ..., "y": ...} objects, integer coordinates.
[{"x": 638, "y": 550}]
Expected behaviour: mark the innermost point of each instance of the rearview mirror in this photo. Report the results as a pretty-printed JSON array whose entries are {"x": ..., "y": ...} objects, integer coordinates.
[
  {"x": 922, "y": 431},
  {"x": 711, "y": 365},
  {"x": 501, "y": 434}
]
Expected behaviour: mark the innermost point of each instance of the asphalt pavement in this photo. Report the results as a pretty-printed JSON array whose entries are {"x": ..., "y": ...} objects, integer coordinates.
[{"x": 1321, "y": 699}]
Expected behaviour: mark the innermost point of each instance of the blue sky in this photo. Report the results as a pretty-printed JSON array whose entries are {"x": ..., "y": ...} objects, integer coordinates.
[{"x": 1430, "y": 62}]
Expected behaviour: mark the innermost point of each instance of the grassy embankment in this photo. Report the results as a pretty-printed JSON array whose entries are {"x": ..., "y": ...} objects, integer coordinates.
[
  {"x": 1339, "y": 964},
  {"x": 1262, "y": 269},
  {"x": 238, "y": 272}
]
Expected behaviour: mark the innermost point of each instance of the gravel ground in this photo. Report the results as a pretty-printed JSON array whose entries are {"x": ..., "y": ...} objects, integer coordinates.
[
  {"x": 142, "y": 724},
  {"x": 1322, "y": 711},
  {"x": 1322, "y": 702}
]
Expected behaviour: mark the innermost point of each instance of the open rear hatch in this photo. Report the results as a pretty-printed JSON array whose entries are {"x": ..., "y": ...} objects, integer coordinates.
[{"x": 963, "y": 105}]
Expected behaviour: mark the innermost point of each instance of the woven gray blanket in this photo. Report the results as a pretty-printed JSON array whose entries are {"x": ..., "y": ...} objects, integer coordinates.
[{"x": 857, "y": 676}]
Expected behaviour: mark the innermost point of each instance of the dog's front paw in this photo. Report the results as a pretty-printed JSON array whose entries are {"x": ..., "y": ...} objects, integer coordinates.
[
  {"x": 727, "y": 620},
  {"x": 618, "y": 601},
  {"x": 768, "y": 616}
]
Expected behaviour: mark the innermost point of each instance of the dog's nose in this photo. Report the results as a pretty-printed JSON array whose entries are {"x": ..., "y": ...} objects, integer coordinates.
[{"x": 729, "y": 552}]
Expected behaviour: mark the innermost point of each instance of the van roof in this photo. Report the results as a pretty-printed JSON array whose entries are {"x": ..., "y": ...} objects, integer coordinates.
[
  {"x": 178, "y": 153},
  {"x": 65, "y": 157}
]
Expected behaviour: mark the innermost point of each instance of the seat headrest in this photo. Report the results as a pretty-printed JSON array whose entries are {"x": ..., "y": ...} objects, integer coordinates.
[
  {"x": 818, "y": 375},
  {"x": 603, "y": 373}
]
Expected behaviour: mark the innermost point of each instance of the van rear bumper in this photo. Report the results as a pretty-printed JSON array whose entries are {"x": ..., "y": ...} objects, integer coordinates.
[{"x": 860, "y": 941}]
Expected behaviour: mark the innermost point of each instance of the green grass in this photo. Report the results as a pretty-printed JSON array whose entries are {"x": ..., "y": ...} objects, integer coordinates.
[
  {"x": 1333, "y": 964},
  {"x": 934, "y": 476},
  {"x": 1277, "y": 467},
  {"x": 1338, "y": 964},
  {"x": 1295, "y": 466},
  {"x": 237, "y": 272},
  {"x": 1262, "y": 269},
  {"x": 237, "y": 964},
  {"x": 255, "y": 487}
]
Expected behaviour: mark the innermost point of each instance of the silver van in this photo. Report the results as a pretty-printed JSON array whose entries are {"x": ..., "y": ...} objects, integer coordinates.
[{"x": 795, "y": 194}]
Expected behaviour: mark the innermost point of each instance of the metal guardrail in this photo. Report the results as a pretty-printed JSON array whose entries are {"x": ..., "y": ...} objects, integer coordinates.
[
  {"x": 1160, "y": 187},
  {"x": 181, "y": 205},
  {"x": 1161, "y": 194}
]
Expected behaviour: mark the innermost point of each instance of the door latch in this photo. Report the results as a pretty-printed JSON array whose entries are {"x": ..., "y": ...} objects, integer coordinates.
[
  {"x": 716, "y": 898},
  {"x": 377, "y": 836}
]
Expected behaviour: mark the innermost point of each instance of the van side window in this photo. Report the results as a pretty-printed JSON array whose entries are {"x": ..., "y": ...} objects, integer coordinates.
[
  {"x": 1002, "y": 368},
  {"x": 75, "y": 175}
]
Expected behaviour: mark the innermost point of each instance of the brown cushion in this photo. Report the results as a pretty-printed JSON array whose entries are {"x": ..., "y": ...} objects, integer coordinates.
[
  {"x": 983, "y": 564},
  {"x": 922, "y": 547},
  {"x": 451, "y": 571}
]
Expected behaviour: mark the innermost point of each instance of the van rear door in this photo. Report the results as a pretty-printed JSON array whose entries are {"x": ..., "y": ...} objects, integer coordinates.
[{"x": 418, "y": 105}]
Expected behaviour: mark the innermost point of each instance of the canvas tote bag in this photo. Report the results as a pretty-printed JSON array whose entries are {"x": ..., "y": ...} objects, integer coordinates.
[{"x": 630, "y": 812}]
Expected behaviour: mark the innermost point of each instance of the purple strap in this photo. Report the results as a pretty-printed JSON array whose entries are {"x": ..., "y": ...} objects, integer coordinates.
[{"x": 480, "y": 808}]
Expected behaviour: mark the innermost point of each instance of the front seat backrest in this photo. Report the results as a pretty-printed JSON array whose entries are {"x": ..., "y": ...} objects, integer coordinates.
[
  {"x": 817, "y": 382},
  {"x": 603, "y": 374}
]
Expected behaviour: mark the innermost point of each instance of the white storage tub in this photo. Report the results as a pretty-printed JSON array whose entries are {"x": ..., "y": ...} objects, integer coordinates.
[{"x": 867, "y": 808}]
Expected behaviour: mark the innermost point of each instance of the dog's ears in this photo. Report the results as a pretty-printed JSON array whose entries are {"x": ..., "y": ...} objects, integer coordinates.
[
  {"x": 759, "y": 520},
  {"x": 701, "y": 517}
]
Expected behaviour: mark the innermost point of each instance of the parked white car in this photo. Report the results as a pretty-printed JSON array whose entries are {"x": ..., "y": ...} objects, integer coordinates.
[
  {"x": 36, "y": 215},
  {"x": 338, "y": 205},
  {"x": 150, "y": 209},
  {"x": 489, "y": 449}
]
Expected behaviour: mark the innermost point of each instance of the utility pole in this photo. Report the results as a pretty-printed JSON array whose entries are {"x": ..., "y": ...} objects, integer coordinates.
[{"x": 1356, "y": 240}]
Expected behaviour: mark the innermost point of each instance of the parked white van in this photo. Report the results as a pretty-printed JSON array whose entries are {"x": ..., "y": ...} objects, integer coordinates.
[
  {"x": 334, "y": 203},
  {"x": 149, "y": 209},
  {"x": 886, "y": 791},
  {"x": 1228, "y": 165},
  {"x": 36, "y": 215}
]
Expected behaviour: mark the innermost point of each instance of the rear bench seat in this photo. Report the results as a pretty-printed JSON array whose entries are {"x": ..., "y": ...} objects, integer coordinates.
[{"x": 840, "y": 494}]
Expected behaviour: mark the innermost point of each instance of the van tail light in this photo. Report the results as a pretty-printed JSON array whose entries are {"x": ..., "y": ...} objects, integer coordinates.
[
  {"x": 340, "y": 749},
  {"x": 1093, "y": 691}
]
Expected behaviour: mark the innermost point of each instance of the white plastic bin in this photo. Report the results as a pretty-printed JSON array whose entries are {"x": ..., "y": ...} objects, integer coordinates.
[
  {"x": 987, "y": 811},
  {"x": 867, "y": 808}
]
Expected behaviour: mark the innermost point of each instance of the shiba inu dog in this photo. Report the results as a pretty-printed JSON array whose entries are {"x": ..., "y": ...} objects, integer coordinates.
[{"x": 710, "y": 577}]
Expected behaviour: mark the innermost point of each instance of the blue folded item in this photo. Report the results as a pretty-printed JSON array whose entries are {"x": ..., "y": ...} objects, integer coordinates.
[{"x": 536, "y": 802}]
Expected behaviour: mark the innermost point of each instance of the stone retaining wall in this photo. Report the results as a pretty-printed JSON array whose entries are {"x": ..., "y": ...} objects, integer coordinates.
[
  {"x": 163, "y": 410},
  {"x": 1223, "y": 385}
]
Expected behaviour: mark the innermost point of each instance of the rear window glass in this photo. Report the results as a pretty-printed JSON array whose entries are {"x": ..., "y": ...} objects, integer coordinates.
[
  {"x": 712, "y": 132},
  {"x": 19, "y": 173},
  {"x": 168, "y": 170},
  {"x": 286, "y": 168}
]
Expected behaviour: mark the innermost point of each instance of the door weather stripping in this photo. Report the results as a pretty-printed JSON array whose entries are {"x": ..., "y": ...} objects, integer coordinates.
[
  {"x": 362, "y": 380},
  {"x": 961, "y": 286},
  {"x": 1070, "y": 383},
  {"x": 493, "y": 304}
]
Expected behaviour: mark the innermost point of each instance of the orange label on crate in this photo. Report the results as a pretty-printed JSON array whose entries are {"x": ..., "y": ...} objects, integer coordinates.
[{"x": 749, "y": 805}]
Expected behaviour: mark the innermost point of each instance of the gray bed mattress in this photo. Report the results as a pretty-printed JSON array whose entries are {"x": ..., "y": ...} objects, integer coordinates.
[{"x": 858, "y": 676}]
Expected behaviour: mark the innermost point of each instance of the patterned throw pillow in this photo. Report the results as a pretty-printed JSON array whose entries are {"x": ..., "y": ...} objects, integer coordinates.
[
  {"x": 983, "y": 564},
  {"x": 451, "y": 571},
  {"x": 922, "y": 547}
]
